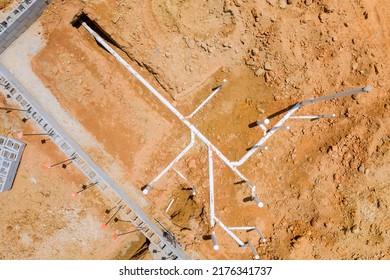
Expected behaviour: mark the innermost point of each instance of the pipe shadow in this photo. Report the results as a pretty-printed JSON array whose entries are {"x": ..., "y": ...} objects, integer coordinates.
[
  {"x": 253, "y": 124},
  {"x": 239, "y": 182},
  {"x": 281, "y": 111},
  {"x": 250, "y": 148},
  {"x": 206, "y": 237}
]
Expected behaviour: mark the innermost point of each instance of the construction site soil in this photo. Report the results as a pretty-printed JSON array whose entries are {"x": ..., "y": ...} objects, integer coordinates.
[{"x": 324, "y": 183}]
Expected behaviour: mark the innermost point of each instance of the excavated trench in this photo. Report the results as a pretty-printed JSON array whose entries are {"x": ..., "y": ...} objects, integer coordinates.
[{"x": 81, "y": 17}]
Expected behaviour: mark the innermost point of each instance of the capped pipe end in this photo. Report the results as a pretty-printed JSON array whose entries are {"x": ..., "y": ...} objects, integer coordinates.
[
  {"x": 257, "y": 257},
  {"x": 367, "y": 88},
  {"x": 216, "y": 247},
  {"x": 147, "y": 189},
  {"x": 257, "y": 201}
]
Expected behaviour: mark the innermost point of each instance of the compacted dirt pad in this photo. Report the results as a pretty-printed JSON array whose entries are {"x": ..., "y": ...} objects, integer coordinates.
[{"x": 324, "y": 183}]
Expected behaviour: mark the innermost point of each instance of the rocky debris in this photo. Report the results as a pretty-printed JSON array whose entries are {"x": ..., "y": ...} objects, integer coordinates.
[
  {"x": 254, "y": 14},
  {"x": 4, "y": 4},
  {"x": 308, "y": 2},
  {"x": 277, "y": 97},
  {"x": 268, "y": 66},
  {"x": 203, "y": 45},
  {"x": 354, "y": 229},
  {"x": 260, "y": 72},
  {"x": 251, "y": 61},
  {"x": 283, "y": 4},
  {"x": 255, "y": 51},
  {"x": 245, "y": 39},
  {"x": 192, "y": 163},
  {"x": 269, "y": 76},
  {"x": 272, "y": 2},
  {"x": 238, "y": 3},
  {"x": 322, "y": 17},
  {"x": 328, "y": 8}
]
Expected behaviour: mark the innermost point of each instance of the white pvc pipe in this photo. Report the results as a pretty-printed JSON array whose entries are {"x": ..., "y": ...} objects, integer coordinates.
[
  {"x": 165, "y": 102},
  {"x": 181, "y": 175},
  {"x": 265, "y": 121},
  {"x": 166, "y": 169},
  {"x": 263, "y": 128},
  {"x": 262, "y": 147},
  {"x": 257, "y": 201},
  {"x": 254, "y": 252},
  {"x": 313, "y": 117},
  {"x": 147, "y": 189},
  {"x": 211, "y": 187},
  {"x": 214, "y": 240},
  {"x": 169, "y": 206},
  {"x": 281, "y": 127},
  {"x": 242, "y": 228},
  {"x": 232, "y": 235},
  {"x": 261, "y": 234},
  {"x": 207, "y": 99},
  {"x": 267, "y": 136},
  {"x": 292, "y": 111}
]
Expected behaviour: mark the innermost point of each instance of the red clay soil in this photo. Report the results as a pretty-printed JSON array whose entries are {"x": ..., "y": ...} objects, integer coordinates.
[{"x": 325, "y": 183}]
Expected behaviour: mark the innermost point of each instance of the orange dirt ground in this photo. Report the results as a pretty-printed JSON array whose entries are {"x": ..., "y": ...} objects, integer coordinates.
[
  {"x": 325, "y": 183},
  {"x": 4, "y": 5},
  {"x": 41, "y": 220}
]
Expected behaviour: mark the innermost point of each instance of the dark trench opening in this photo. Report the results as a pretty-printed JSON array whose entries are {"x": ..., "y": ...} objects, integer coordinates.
[{"x": 81, "y": 17}]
